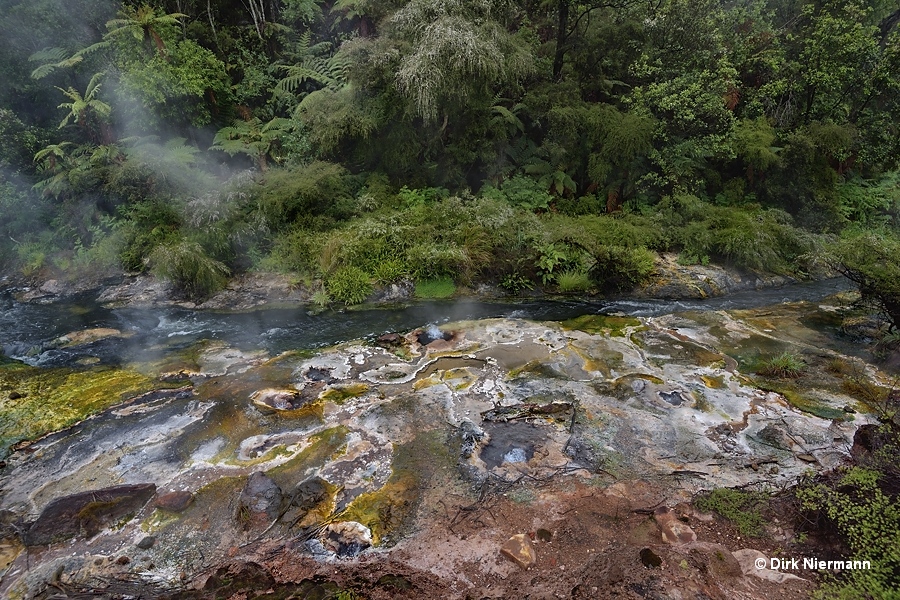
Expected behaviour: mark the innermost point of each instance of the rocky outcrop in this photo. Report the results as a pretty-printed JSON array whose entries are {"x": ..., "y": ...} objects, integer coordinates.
[
  {"x": 86, "y": 513},
  {"x": 174, "y": 501},
  {"x": 260, "y": 502},
  {"x": 672, "y": 280}
]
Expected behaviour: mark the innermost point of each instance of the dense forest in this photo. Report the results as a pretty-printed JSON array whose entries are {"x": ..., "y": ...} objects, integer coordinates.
[{"x": 550, "y": 143}]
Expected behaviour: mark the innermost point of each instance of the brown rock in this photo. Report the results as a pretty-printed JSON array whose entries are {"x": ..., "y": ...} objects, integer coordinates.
[
  {"x": 518, "y": 549},
  {"x": 86, "y": 513},
  {"x": 389, "y": 340},
  {"x": 260, "y": 502},
  {"x": 674, "y": 531},
  {"x": 174, "y": 501},
  {"x": 716, "y": 558}
]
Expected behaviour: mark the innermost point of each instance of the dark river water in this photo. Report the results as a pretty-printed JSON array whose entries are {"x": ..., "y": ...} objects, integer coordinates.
[{"x": 27, "y": 330}]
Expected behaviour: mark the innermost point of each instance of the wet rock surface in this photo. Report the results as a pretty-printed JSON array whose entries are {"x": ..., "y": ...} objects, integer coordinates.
[
  {"x": 87, "y": 513},
  {"x": 260, "y": 502},
  {"x": 410, "y": 462}
]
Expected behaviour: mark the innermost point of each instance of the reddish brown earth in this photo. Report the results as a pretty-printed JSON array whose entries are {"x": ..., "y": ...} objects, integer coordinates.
[{"x": 588, "y": 541}]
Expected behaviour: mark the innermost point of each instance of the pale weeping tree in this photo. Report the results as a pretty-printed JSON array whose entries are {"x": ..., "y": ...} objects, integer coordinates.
[
  {"x": 460, "y": 50},
  {"x": 144, "y": 24}
]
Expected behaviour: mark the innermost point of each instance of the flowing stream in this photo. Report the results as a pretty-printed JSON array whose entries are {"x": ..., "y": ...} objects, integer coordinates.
[{"x": 27, "y": 329}]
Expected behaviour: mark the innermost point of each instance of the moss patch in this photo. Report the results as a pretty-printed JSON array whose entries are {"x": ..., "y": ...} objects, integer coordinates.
[
  {"x": 35, "y": 401},
  {"x": 602, "y": 324},
  {"x": 341, "y": 393},
  {"x": 801, "y": 400},
  {"x": 323, "y": 446}
]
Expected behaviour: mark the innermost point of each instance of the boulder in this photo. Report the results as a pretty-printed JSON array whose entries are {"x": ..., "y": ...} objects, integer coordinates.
[
  {"x": 260, "y": 502},
  {"x": 715, "y": 559},
  {"x": 308, "y": 494},
  {"x": 87, "y": 513},
  {"x": 518, "y": 549},
  {"x": 673, "y": 530},
  {"x": 174, "y": 501}
]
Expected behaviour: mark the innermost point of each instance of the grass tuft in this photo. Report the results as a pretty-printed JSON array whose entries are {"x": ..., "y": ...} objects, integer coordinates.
[{"x": 784, "y": 365}]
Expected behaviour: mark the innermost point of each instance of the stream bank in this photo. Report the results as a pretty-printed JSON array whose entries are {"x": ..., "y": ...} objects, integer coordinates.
[{"x": 670, "y": 281}]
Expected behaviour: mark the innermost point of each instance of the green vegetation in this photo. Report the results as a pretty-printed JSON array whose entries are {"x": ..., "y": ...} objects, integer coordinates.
[
  {"x": 349, "y": 285},
  {"x": 354, "y": 144},
  {"x": 36, "y": 401},
  {"x": 740, "y": 507},
  {"x": 858, "y": 507},
  {"x": 784, "y": 365},
  {"x": 435, "y": 288}
]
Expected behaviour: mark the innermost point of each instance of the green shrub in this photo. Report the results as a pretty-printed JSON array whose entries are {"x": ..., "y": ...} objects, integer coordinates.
[
  {"x": 189, "y": 268},
  {"x": 150, "y": 223},
  {"x": 437, "y": 260},
  {"x": 871, "y": 259},
  {"x": 515, "y": 283},
  {"x": 313, "y": 196},
  {"x": 320, "y": 298},
  {"x": 618, "y": 268},
  {"x": 786, "y": 364},
  {"x": 418, "y": 197},
  {"x": 573, "y": 281},
  {"x": 739, "y": 507},
  {"x": 349, "y": 284},
  {"x": 435, "y": 288},
  {"x": 295, "y": 251},
  {"x": 390, "y": 271},
  {"x": 522, "y": 192},
  {"x": 32, "y": 257},
  {"x": 868, "y": 520}
]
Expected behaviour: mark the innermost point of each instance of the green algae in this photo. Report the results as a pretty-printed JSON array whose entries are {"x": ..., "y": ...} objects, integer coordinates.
[
  {"x": 802, "y": 400},
  {"x": 35, "y": 401},
  {"x": 339, "y": 394},
  {"x": 715, "y": 382},
  {"x": 159, "y": 519},
  {"x": 537, "y": 368},
  {"x": 387, "y": 510},
  {"x": 602, "y": 324},
  {"x": 701, "y": 402},
  {"x": 323, "y": 446}
]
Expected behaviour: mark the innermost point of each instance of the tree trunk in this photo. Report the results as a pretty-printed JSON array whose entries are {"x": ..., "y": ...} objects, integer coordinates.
[{"x": 561, "y": 37}]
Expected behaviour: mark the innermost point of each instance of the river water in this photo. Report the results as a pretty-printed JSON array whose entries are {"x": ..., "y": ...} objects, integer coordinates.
[{"x": 27, "y": 331}]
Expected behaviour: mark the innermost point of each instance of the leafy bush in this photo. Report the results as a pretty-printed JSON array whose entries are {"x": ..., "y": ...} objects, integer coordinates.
[
  {"x": 749, "y": 237},
  {"x": 868, "y": 520},
  {"x": 522, "y": 192},
  {"x": 871, "y": 260},
  {"x": 435, "y": 288},
  {"x": 573, "y": 281},
  {"x": 418, "y": 197},
  {"x": 296, "y": 251},
  {"x": 739, "y": 507},
  {"x": 150, "y": 223},
  {"x": 313, "y": 195},
  {"x": 786, "y": 364},
  {"x": 189, "y": 268},
  {"x": 349, "y": 284},
  {"x": 618, "y": 268},
  {"x": 515, "y": 283}
]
